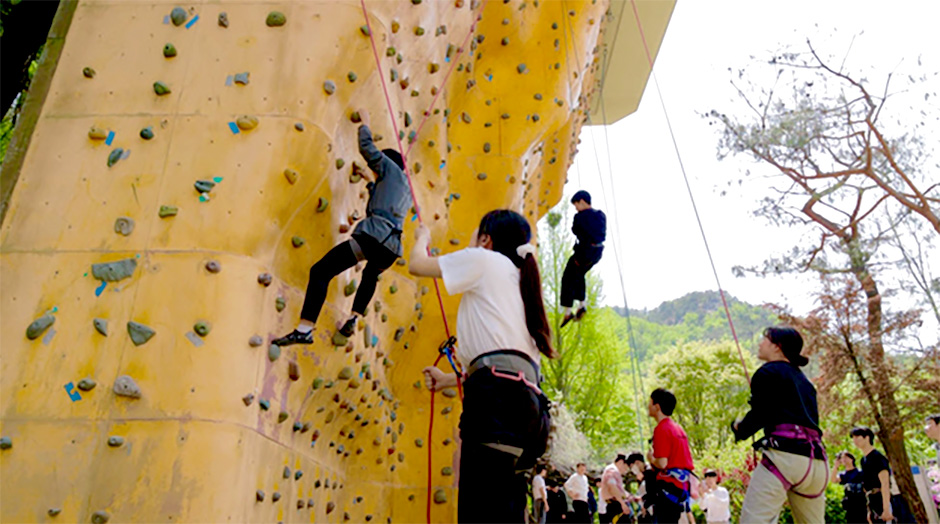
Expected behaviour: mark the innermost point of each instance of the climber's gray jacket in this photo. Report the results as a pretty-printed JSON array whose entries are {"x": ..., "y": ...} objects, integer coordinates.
[{"x": 389, "y": 196}]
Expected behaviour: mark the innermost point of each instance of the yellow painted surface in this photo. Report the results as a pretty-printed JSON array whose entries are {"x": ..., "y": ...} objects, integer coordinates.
[{"x": 193, "y": 450}]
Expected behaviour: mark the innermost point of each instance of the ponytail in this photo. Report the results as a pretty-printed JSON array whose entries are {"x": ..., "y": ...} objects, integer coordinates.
[{"x": 510, "y": 233}]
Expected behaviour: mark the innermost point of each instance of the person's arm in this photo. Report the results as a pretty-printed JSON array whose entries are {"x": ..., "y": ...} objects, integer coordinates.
[
  {"x": 658, "y": 463},
  {"x": 367, "y": 148},
  {"x": 435, "y": 379},
  {"x": 884, "y": 476},
  {"x": 662, "y": 446},
  {"x": 761, "y": 399},
  {"x": 571, "y": 486},
  {"x": 421, "y": 264}
]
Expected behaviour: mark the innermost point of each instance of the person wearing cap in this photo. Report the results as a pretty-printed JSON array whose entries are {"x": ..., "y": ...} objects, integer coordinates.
[
  {"x": 590, "y": 228},
  {"x": 794, "y": 466},
  {"x": 376, "y": 239},
  {"x": 715, "y": 500}
]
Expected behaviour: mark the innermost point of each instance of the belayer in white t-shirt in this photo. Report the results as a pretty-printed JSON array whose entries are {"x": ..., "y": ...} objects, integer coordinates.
[{"x": 501, "y": 331}]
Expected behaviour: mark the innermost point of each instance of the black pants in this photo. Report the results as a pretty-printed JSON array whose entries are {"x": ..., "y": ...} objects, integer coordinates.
[
  {"x": 899, "y": 509},
  {"x": 613, "y": 510},
  {"x": 581, "y": 513},
  {"x": 667, "y": 511},
  {"x": 339, "y": 259},
  {"x": 495, "y": 410},
  {"x": 572, "y": 280}
]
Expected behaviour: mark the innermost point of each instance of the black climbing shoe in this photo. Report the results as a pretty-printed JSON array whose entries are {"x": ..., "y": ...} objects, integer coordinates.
[
  {"x": 568, "y": 318},
  {"x": 348, "y": 328},
  {"x": 294, "y": 337},
  {"x": 580, "y": 313}
]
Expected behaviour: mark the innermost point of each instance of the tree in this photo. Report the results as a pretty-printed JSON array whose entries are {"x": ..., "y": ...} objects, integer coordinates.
[{"x": 837, "y": 170}]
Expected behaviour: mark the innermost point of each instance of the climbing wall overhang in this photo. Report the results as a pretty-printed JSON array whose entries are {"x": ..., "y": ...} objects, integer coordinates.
[{"x": 184, "y": 172}]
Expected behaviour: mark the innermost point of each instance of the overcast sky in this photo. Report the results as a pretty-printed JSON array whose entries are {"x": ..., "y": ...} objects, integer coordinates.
[{"x": 663, "y": 252}]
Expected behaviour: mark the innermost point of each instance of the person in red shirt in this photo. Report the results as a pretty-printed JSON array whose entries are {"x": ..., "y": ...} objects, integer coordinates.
[{"x": 671, "y": 456}]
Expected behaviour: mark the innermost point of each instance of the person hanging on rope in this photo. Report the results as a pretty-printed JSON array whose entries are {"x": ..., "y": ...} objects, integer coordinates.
[
  {"x": 671, "y": 456},
  {"x": 502, "y": 328},
  {"x": 376, "y": 239},
  {"x": 590, "y": 228},
  {"x": 794, "y": 467}
]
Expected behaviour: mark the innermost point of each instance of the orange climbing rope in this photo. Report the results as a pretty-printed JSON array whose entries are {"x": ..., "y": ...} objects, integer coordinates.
[{"x": 447, "y": 348}]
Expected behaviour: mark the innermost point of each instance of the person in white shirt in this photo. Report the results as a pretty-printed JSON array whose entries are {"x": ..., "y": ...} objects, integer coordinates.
[
  {"x": 539, "y": 494},
  {"x": 577, "y": 488},
  {"x": 715, "y": 500},
  {"x": 502, "y": 329},
  {"x": 613, "y": 498}
]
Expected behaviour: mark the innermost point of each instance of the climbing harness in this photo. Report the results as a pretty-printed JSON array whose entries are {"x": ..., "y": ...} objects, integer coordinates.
[
  {"x": 794, "y": 439},
  {"x": 414, "y": 199}
]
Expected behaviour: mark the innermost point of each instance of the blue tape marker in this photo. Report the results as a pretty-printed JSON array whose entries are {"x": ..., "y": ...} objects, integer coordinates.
[
  {"x": 100, "y": 289},
  {"x": 107, "y": 141},
  {"x": 447, "y": 59},
  {"x": 490, "y": 78},
  {"x": 125, "y": 154},
  {"x": 73, "y": 393},
  {"x": 414, "y": 217},
  {"x": 228, "y": 80},
  {"x": 191, "y": 22},
  {"x": 166, "y": 19},
  {"x": 442, "y": 164},
  {"x": 55, "y": 308},
  {"x": 216, "y": 179},
  {"x": 234, "y": 128},
  {"x": 375, "y": 340},
  {"x": 203, "y": 197}
]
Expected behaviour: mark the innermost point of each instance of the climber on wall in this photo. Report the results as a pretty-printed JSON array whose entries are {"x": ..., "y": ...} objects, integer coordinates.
[
  {"x": 502, "y": 328},
  {"x": 377, "y": 240},
  {"x": 590, "y": 227}
]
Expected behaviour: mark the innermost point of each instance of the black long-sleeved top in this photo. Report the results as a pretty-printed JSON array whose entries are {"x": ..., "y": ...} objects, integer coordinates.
[
  {"x": 389, "y": 198},
  {"x": 780, "y": 394},
  {"x": 590, "y": 227}
]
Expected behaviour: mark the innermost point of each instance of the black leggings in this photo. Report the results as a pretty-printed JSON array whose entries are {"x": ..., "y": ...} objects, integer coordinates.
[
  {"x": 572, "y": 280},
  {"x": 339, "y": 259}
]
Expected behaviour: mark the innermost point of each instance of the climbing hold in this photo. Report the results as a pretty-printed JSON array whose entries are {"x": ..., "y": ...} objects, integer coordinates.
[
  {"x": 87, "y": 384},
  {"x": 505, "y": 40},
  {"x": 115, "y": 441},
  {"x": 400, "y": 332},
  {"x": 305, "y": 427},
  {"x": 178, "y": 16},
  {"x": 247, "y": 122},
  {"x": 296, "y": 426},
  {"x": 322, "y": 204},
  {"x": 96, "y": 133},
  {"x": 453, "y": 242},
  {"x": 330, "y": 506},
  {"x": 446, "y": 410},
  {"x": 297, "y": 241},
  {"x": 433, "y": 67},
  {"x": 317, "y": 382},
  {"x": 440, "y": 496},
  {"x": 202, "y": 328},
  {"x": 115, "y": 156},
  {"x": 419, "y": 31},
  {"x": 264, "y": 404},
  {"x": 280, "y": 303},
  {"x": 139, "y": 333},
  {"x": 390, "y": 51},
  {"x": 125, "y": 386},
  {"x": 88, "y": 72},
  {"x": 169, "y": 50},
  {"x": 161, "y": 89},
  {"x": 275, "y": 496},
  {"x": 274, "y": 351},
  {"x": 447, "y": 441},
  {"x": 275, "y": 19},
  {"x": 6, "y": 443},
  {"x": 297, "y": 475},
  {"x": 265, "y": 279},
  {"x": 286, "y": 473},
  {"x": 54, "y": 511},
  {"x": 146, "y": 133},
  {"x": 203, "y": 186},
  {"x": 114, "y": 271},
  {"x": 309, "y": 503},
  {"x": 242, "y": 78},
  {"x": 101, "y": 517},
  {"x": 255, "y": 341},
  {"x": 259, "y": 495},
  {"x": 415, "y": 2},
  {"x": 168, "y": 211},
  {"x": 364, "y": 29},
  {"x": 447, "y": 471},
  {"x": 248, "y": 399},
  {"x": 350, "y": 288},
  {"x": 535, "y": 118},
  {"x": 293, "y": 371},
  {"x": 340, "y": 163},
  {"x": 213, "y": 266},
  {"x": 537, "y": 96},
  {"x": 291, "y": 175},
  {"x": 486, "y": 147},
  {"x": 465, "y": 117},
  {"x": 449, "y": 392},
  {"x": 351, "y": 77},
  {"x": 329, "y": 86},
  {"x": 345, "y": 374},
  {"x": 354, "y": 383},
  {"x": 101, "y": 325},
  {"x": 481, "y": 176},
  {"x": 39, "y": 326},
  {"x": 393, "y": 289},
  {"x": 223, "y": 19},
  {"x": 299, "y": 126}
]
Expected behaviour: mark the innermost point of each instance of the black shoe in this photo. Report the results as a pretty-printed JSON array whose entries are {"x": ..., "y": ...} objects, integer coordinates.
[
  {"x": 294, "y": 337},
  {"x": 568, "y": 318},
  {"x": 348, "y": 328},
  {"x": 580, "y": 313}
]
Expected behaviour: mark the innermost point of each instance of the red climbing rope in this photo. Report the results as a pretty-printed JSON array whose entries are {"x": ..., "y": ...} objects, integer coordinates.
[{"x": 414, "y": 199}]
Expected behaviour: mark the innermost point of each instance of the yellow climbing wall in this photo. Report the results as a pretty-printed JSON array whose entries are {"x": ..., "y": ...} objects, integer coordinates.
[{"x": 345, "y": 432}]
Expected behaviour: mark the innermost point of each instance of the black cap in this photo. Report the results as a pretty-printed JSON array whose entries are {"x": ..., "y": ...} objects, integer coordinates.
[
  {"x": 581, "y": 195},
  {"x": 395, "y": 157}
]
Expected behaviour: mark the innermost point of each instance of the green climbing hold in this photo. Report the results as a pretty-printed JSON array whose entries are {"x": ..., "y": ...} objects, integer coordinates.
[
  {"x": 393, "y": 289},
  {"x": 6, "y": 443},
  {"x": 419, "y": 443},
  {"x": 114, "y": 271},
  {"x": 339, "y": 339},
  {"x": 161, "y": 89},
  {"x": 146, "y": 133},
  {"x": 264, "y": 404},
  {"x": 139, "y": 333},
  {"x": 168, "y": 211},
  {"x": 322, "y": 204},
  {"x": 274, "y": 351},
  {"x": 351, "y": 77},
  {"x": 364, "y": 29},
  {"x": 297, "y": 475},
  {"x": 275, "y": 19},
  {"x": 169, "y": 50},
  {"x": 87, "y": 384},
  {"x": 440, "y": 496},
  {"x": 88, "y": 72},
  {"x": 297, "y": 241},
  {"x": 481, "y": 176},
  {"x": 242, "y": 78},
  {"x": 465, "y": 117},
  {"x": 115, "y": 156},
  {"x": 115, "y": 441},
  {"x": 400, "y": 332},
  {"x": 54, "y": 511},
  {"x": 223, "y": 19},
  {"x": 434, "y": 67},
  {"x": 354, "y": 383},
  {"x": 202, "y": 328},
  {"x": 447, "y": 471},
  {"x": 101, "y": 325},
  {"x": 340, "y": 163},
  {"x": 329, "y": 86},
  {"x": 178, "y": 16},
  {"x": 279, "y": 304},
  {"x": 415, "y": 2},
  {"x": 537, "y": 96},
  {"x": 419, "y": 31},
  {"x": 355, "y": 117},
  {"x": 317, "y": 382},
  {"x": 521, "y": 68},
  {"x": 417, "y": 384},
  {"x": 281, "y": 417},
  {"x": 350, "y": 288},
  {"x": 345, "y": 374},
  {"x": 204, "y": 186},
  {"x": 505, "y": 40},
  {"x": 101, "y": 517},
  {"x": 390, "y": 51},
  {"x": 39, "y": 326},
  {"x": 486, "y": 147},
  {"x": 446, "y": 410}
]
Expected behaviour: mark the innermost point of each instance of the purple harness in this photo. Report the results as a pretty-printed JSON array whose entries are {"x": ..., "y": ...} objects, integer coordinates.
[{"x": 796, "y": 433}]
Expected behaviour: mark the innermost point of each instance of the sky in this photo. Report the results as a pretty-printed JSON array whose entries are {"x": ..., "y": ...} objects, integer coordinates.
[{"x": 662, "y": 251}]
